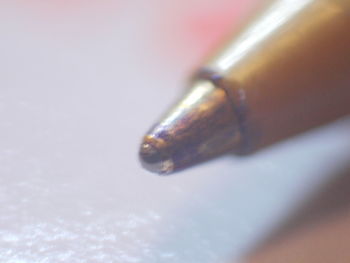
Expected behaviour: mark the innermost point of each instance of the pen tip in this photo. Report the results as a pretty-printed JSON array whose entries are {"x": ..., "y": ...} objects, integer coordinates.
[
  {"x": 201, "y": 126},
  {"x": 154, "y": 160}
]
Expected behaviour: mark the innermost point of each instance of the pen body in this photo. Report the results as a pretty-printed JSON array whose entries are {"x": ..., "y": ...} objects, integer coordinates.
[{"x": 287, "y": 71}]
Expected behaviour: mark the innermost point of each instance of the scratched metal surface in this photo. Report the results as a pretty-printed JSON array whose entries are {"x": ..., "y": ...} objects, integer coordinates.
[{"x": 80, "y": 84}]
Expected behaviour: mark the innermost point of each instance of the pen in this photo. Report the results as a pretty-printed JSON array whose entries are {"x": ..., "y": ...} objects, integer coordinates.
[{"x": 286, "y": 71}]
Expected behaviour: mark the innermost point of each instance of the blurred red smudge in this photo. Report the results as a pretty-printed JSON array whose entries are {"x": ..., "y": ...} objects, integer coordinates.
[{"x": 193, "y": 30}]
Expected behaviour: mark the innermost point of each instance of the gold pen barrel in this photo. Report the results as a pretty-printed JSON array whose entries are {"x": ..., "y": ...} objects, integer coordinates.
[{"x": 288, "y": 70}]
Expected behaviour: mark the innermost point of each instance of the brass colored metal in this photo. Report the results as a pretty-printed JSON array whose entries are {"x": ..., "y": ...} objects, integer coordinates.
[
  {"x": 287, "y": 71},
  {"x": 192, "y": 132}
]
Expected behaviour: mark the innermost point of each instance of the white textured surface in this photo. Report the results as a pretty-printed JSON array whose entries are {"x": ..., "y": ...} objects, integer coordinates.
[{"x": 76, "y": 95}]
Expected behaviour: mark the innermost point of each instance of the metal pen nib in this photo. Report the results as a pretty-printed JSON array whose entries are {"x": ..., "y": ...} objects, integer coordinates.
[{"x": 201, "y": 126}]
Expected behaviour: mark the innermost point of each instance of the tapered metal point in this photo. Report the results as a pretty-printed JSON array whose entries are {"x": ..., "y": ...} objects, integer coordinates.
[
  {"x": 154, "y": 159},
  {"x": 201, "y": 126}
]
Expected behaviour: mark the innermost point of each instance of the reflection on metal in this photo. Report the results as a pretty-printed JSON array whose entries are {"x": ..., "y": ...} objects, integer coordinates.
[
  {"x": 192, "y": 132},
  {"x": 276, "y": 16}
]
